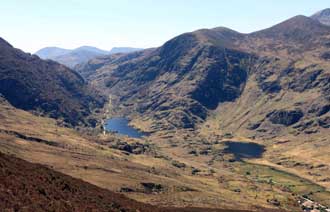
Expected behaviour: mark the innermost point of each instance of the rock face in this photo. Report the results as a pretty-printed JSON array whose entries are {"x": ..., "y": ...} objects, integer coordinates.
[
  {"x": 30, "y": 83},
  {"x": 270, "y": 80},
  {"x": 285, "y": 117},
  {"x": 322, "y": 16}
]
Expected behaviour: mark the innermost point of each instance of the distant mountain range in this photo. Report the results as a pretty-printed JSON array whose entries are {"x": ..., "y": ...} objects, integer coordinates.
[
  {"x": 322, "y": 16},
  {"x": 72, "y": 57}
]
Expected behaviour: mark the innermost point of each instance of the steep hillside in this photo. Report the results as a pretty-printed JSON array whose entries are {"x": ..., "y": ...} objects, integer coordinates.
[
  {"x": 288, "y": 89},
  {"x": 31, "y": 187},
  {"x": 176, "y": 83},
  {"x": 46, "y": 87},
  {"x": 183, "y": 81}
]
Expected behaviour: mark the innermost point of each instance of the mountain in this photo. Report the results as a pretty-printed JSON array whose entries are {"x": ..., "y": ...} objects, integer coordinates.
[
  {"x": 69, "y": 57},
  {"x": 201, "y": 88},
  {"x": 51, "y": 52},
  {"x": 235, "y": 121},
  {"x": 116, "y": 50},
  {"x": 79, "y": 55},
  {"x": 90, "y": 49},
  {"x": 46, "y": 87},
  {"x": 323, "y": 16},
  {"x": 181, "y": 82},
  {"x": 82, "y": 54}
]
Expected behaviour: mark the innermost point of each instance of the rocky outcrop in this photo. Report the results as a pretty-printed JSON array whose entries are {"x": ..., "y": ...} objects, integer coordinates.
[
  {"x": 324, "y": 122},
  {"x": 285, "y": 117}
]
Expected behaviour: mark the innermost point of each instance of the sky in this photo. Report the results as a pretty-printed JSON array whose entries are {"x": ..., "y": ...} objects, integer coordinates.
[{"x": 33, "y": 24}]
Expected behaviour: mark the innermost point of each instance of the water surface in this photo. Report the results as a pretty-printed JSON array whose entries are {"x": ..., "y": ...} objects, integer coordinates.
[
  {"x": 243, "y": 150},
  {"x": 120, "y": 126}
]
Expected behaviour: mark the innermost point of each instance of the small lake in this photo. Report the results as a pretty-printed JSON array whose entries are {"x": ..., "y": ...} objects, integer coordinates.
[
  {"x": 120, "y": 126},
  {"x": 243, "y": 150}
]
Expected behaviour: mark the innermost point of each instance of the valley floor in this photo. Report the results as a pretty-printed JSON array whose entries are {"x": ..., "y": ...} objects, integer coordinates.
[{"x": 160, "y": 170}]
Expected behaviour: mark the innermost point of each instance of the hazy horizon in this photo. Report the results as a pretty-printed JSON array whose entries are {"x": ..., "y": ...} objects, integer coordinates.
[{"x": 35, "y": 24}]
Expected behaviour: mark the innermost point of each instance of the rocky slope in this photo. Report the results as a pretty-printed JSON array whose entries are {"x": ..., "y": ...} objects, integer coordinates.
[
  {"x": 26, "y": 186},
  {"x": 177, "y": 83},
  {"x": 45, "y": 87},
  {"x": 31, "y": 187},
  {"x": 180, "y": 84}
]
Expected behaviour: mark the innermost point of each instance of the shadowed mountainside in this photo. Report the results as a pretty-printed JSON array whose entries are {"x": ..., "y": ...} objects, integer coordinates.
[{"x": 47, "y": 87}]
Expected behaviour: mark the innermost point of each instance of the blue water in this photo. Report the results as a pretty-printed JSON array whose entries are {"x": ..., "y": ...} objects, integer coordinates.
[
  {"x": 243, "y": 150},
  {"x": 120, "y": 126}
]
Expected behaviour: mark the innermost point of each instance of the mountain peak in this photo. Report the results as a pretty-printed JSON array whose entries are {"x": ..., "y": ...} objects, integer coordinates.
[
  {"x": 91, "y": 49},
  {"x": 4, "y": 42},
  {"x": 322, "y": 16},
  {"x": 296, "y": 28}
]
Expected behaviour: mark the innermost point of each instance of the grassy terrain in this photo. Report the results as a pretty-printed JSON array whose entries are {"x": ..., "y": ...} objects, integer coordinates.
[
  {"x": 286, "y": 181},
  {"x": 181, "y": 179}
]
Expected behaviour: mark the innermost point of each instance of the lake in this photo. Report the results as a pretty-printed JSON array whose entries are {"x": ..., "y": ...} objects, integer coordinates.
[
  {"x": 120, "y": 126},
  {"x": 243, "y": 150}
]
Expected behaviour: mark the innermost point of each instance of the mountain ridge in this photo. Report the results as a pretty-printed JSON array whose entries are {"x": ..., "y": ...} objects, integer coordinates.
[
  {"x": 45, "y": 87},
  {"x": 181, "y": 56},
  {"x": 322, "y": 16}
]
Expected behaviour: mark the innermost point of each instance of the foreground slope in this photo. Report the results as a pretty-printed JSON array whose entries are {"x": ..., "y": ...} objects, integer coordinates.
[
  {"x": 141, "y": 169},
  {"x": 47, "y": 87},
  {"x": 31, "y": 187}
]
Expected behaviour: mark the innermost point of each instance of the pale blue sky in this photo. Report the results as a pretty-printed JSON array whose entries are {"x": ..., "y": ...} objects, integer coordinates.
[{"x": 33, "y": 24}]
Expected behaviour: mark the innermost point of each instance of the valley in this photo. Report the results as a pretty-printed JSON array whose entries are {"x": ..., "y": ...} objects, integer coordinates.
[{"x": 213, "y": 120}]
